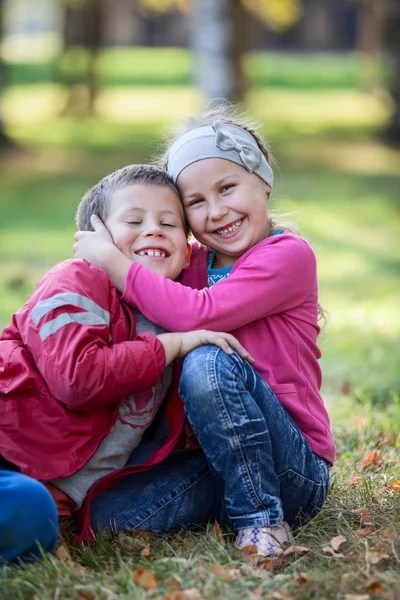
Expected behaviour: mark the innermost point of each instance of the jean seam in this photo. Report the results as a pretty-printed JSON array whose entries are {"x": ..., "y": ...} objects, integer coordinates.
[
  {"x": 129, "y": 525},
  {"x": 248, "y": 482}
]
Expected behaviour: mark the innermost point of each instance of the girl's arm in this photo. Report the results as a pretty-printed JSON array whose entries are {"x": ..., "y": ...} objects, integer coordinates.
[{"x": 275, "y": 276}]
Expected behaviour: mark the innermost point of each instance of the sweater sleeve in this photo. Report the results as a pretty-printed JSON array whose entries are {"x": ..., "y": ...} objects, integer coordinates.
[
  {"x": 276, "y": 275},
  {"x": 68, "y": 332}
]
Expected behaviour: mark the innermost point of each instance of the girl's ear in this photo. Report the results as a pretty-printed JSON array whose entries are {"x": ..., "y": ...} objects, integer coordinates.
[{"x": 188, "y": 255}]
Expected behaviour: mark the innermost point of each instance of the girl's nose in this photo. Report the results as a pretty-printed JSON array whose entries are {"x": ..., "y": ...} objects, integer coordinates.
[{"x": 216, "y": 211}]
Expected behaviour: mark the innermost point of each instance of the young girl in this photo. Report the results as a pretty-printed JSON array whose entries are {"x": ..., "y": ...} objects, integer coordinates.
[{"x": 264, "y": 430}]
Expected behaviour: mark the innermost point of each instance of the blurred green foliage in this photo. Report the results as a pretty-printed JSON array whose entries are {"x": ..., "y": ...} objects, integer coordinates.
[{"x": 174, "y": 66}]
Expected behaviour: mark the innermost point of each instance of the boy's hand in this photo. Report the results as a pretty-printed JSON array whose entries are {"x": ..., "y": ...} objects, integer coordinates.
[
  {"x": 178, "y": 345},
  {"x": 98, "y": 248}
]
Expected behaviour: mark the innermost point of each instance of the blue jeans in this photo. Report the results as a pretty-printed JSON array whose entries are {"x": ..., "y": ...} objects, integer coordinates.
[
  {"x": 254, "y": 469},
  {"x": 28, "y": 518}
]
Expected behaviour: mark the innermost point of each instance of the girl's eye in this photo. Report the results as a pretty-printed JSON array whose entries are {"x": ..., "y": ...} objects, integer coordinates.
[
  {"x": 168, "y": 224},
  {"x": 226, "y": 187},
  {"x": 195, "y": 201},
  {"x": 134, "y": 222}
]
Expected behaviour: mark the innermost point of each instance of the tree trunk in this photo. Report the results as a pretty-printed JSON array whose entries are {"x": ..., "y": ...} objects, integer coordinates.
[
  {"x": 218, "y": 42},
  {"x": 392, "y": 46},
  {"x": 83, "y": 26},
  {"x": 5, "y": 140}
]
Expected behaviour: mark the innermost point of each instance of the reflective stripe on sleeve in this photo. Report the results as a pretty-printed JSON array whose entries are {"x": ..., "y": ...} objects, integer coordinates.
[
  {"x": 84, "y": 318},
  {"x": 45, "y": 306}
]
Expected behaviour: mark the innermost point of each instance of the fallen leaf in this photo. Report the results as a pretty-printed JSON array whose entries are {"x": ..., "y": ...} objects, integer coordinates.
[
  {"x": 146, "y": 552},
  {"x": 188, "y": 544},
  {"x": 296, "y": 550},
  {"x": 375, "y": 555},
  {"x": 174, "y": 596},
  {"x": 85, "y": 594},
  {"x": 368, "y": 461},
  {"x": 249, "y": 549},
  {"x": 389, "y": 532},
  {"x": 374, "y": 586},
  {"x": 337, "y": 541},
  {"x": 330, "y": 550},
  {"x": 303, "y": 578},
  {"x": 365, "y": 517},
  {"x": 345, "y": 388},
  {"x": 173, "y": 583},
  {"x": 356, "y": 597},
  {"x": 62, "y": 553},
  {"x": 363, "y": 532},
  {"x": 383, "y": 440},
  {"x": 145, "y": 579},
  {"x": 217, "y": 533},
  {"x": 269, "y": 564},
  {"x": 221, "y": 572},
  {"x": 395, "y": 486}
]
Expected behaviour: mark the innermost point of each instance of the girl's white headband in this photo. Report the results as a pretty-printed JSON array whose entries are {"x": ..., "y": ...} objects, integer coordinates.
[{"x": 220, "y": 140}]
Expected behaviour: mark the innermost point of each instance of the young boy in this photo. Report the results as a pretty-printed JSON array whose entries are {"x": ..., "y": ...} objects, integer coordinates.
[{"x": 82, "y": 375}]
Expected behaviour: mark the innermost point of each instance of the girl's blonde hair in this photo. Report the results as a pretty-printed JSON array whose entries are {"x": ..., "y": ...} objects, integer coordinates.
[{"x": 233, "y": 115}]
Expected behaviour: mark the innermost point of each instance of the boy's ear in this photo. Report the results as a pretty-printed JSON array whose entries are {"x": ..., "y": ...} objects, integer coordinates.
[{"x": 188, "y": 255}]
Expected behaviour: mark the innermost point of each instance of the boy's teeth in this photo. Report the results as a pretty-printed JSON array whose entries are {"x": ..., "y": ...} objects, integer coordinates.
[
  {"x": 230, "y": 228},
  {"x": 152, "y": 253}
]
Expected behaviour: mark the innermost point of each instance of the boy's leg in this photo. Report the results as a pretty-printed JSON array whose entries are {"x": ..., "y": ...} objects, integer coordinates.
[
  {"x": 265, "y": 467},
  {"x": 178, "y": 492},
  {"x": 28, "y": 517}
]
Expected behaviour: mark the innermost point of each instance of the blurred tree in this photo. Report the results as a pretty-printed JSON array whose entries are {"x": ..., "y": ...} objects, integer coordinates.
[
  {"x": 5, "y": 140},
  {"x": 83, "y": 25},
  {"x": 219, "y": 38},
  {"x": 392, "y": 47}
]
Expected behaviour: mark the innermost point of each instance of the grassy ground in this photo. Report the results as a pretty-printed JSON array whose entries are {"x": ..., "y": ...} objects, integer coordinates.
[{"x": 342, "y": 184}]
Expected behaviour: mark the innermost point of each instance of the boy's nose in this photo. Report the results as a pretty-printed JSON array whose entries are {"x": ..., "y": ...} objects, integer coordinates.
[{"x": 154, "y": 230}]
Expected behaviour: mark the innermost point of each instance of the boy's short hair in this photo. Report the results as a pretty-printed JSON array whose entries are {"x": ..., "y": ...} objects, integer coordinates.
[{"x": 98, "y": 199}]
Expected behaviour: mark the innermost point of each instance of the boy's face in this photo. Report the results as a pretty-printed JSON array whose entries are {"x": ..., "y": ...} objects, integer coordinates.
[{"x": 146, "y": 223}]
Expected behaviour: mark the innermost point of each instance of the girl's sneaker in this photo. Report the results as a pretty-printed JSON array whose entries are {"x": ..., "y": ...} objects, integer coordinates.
[{"x": 264, "y": 541}]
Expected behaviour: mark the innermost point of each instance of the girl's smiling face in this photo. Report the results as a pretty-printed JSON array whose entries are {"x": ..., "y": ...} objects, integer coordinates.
[{"x": 226, "y": 207}]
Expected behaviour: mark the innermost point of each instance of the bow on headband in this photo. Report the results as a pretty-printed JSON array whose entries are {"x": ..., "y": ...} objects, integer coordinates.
[{"x": 250, "y": 156}]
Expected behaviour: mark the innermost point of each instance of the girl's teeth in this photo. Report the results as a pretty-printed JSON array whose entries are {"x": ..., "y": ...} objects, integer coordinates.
[
  {"x": 152, "y": 253},
  {"x": 230, "y": 228}
]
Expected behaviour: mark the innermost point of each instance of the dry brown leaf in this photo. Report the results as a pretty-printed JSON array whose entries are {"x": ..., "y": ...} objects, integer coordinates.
[
  {"x": 217, "y": 533},
  {"x": 145, "y": 579},
  {"x": 296, "y": 550},
  {"x": 389, "y": 532},
  {"x": 365, "y": 517},
  {"x": 375, "y": 555},
  {"x": 371, "y": 459},
  {"x": 188, "y": 544},
  {"x": 345, "y": 388},
  {"x": 221, "y": 572},
  {"x": 173, "y": 583},
  {"x": 337, "y": 541},
  {"x": 174, "y": 596},
  {"x": 374, "y": 586},
  {"x": 86, "y": 594},
  {"x": 363, "y": 532},
  {"x": 330, "y": 550},
  {"x": 146, "y": 552},
  {"x": 62, "y": 553},
  {"x": 302, "y": 578},
  {"x": 395, "y": 486},
  {"x": 249, "y": 549}
]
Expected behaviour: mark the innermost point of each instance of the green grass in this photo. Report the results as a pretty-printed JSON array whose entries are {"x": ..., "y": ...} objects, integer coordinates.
[
  {"x": 174, "y": 67},
  {"x": 342, "y": 185}
]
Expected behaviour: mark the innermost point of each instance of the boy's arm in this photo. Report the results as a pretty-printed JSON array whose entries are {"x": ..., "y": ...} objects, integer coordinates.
[{"x": 67, "y": 328}]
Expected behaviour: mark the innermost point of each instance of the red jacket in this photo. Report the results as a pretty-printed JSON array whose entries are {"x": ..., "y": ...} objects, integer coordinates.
[{"x": 68, "y": 357}]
